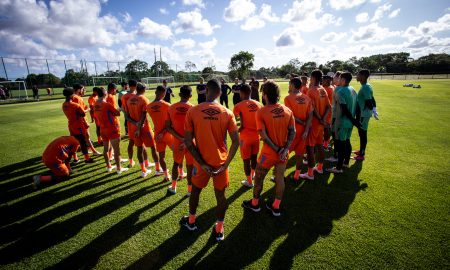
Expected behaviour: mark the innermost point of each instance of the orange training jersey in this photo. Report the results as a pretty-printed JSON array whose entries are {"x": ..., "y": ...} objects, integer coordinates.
[
  {"x": 177, "y": 114},
  {"x": 299, "y": 104},
  {"x": 107, "y": 115},
  {"x": 304, "y": 89},
  {"x": 275, "y": 120},
  {"x": 61, "y": 148},
  {"x": 330, "y": 90},
  {"x": 246, "y": 110},
  {"x": 319, "y": 100},
  {"x": 111, "y": 99},
  {"x": 91, "y": 100},
  {"x": 75, "y": 115},
  {"x": 125, "y": 99},
  {"x": 158, "y": 112},
  {"x": 209, "y": 122},
  {"x": 80, "y": 101},
  {"x": 136, "y": 107}
]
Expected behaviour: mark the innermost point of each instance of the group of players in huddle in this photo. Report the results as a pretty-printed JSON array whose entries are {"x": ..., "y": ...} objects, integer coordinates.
[{"x": 328, "y": 107}]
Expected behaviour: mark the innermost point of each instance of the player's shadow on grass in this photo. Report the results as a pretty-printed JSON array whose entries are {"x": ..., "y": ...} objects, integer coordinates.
[
  {"x": 309, "y": 212},
  {"x": 58, "y": 232}
]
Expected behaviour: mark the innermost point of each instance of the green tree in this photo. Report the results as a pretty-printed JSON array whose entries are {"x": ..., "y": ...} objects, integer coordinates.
[
  {"x": 189, "y": 66},
  {"x": 207, "y": 71},
  {"x": 160, "y": 68},
  {"x": 241, "y": 63},
  {"x": 308, "y": 67},
  {"x": 137, "y": 69}
]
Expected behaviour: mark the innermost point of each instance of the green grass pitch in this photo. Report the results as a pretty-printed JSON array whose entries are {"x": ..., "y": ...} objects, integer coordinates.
[{"x": 390, "y": 212}]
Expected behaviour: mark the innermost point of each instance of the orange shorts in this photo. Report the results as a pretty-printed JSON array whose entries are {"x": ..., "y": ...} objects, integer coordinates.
[
  {"x": 268, "y": 158},
  {"x": 109, "y": 134},
  {"x": 167, "y": 140},
  {"x": 146, "y": 137},
  {"x": 57, "y": 168},
  {"x": 178, "y": 154},
  {"x": 200, "y": 178},
  {"x": 298, "y": 145},
  {"x": 249, "y": 146},
  {"x": 315, "y": 136}
]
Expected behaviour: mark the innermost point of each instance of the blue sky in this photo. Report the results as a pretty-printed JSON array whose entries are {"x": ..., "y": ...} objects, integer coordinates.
[{"x": 209, "y": 32}]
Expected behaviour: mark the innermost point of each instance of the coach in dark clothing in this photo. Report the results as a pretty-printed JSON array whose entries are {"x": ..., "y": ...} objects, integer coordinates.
[
  {"x": 254, "y": 85},
  {"x": 236, "y": 91},
  {"x": 169, "y": 92},
  {"x": 201, "y": 92},
  {"x": 224, "y": 95}
]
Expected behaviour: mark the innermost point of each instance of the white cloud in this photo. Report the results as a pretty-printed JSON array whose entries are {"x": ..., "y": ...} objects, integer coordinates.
[
  {"x": 192, "y": 22},
  {"x": 140, "y": 50},
  {"x": 208, "y": 44},
  {"x": 380, "y": 11},
  {"x": 253, "y": 23},
  {"x": 267, "y": 14},
  {"x": 172, "y": 3},
  {"x": 163, "y": 11},
  {"x": 332, "y": 37},
  {"x": 372, "y": 33},
  {"x": 186, "y": 43},
  {"x": 126, "y": 17},
  {"x": 289, "y": 37},
  {"x": 153, "y": 29},
  {"x": 198, "y": 3},
  {"x": 428, "y": 28},
  {"x": 307, "y": 16},
  {"x": 345, "y": 4},
  {"x": 238, "y": 10},
  {"x": 362, "y": 17},
  {"x": 394, "y": 13}
]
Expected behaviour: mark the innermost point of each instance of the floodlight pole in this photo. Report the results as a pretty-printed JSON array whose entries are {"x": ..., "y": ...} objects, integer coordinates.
[
  {"x": 26, "y": 63},
  {"x": 107, "y": 65},
  {"x": 4, "y": 68},
  {"x": 95, "y": 67}
]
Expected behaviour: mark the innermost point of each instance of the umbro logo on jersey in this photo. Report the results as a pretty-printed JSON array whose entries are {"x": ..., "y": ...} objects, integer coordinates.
[
  {"x": 211, "y": 111},
  {"x": 155, "y": 108},
  {"x": 300, "y": 100},
  {"x": 277, "y": 111},
  {"x": 252, "y": 106},
  {"x": 182, "y": 109}
]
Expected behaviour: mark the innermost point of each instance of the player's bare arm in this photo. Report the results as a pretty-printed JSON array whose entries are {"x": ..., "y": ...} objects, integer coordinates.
[
  {"x": 307, "y": 126},
  {"x": 189, "y": 142},
  {"x": 268, "y": 141},
  {"x": 172, "y": 131},
  {"x": 232, "y": 152},
  {"x": 284, "y": 153}
]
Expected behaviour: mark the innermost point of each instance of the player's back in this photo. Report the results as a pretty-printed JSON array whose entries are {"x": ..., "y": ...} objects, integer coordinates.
[
  {"x": 158, "y": 112},
  {"x": 136, "y": 105},
  {"x": 347, "y": 95},
  {"x": 74, "y": 113},
  {"x": 177, "y": 113},
  {"x": 365, "y": 93},
  {"x": 299, "y": 104},
  {"x": 246, "y": 110},
  {"x": 329, "y": 90},
  {"x": 304, "y": 89},
  {"x": 79, "y": 100},
  {"x": 125, "y": 99},
  {"x": 275, "y": 120},
  {"x": 60, "y": 148},
  {"x": 91, "y": 100},
  {"x": 111, "y": 99},
  {"x": 209, "y": 122},
  {"x": 104, "y": 112},
  {"x": 319, "y": 100}
]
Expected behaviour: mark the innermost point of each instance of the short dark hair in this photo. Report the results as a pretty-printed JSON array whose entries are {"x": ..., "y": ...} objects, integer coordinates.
[
  {"x": 185, "y": 91},
  {"x": 123, "y": 83},
  {"x": 77, "y": 86},
  {"x": 160, "y": 89},
  {"x": 140, "y": 87},
  {"x": 304, "y": 78},
  {"x": 95, "y": 89},
  {"x": 347, "y": 76},
  {"x": 214, "y": 86},
  {"x": 272, "y": 91},
  {"x": 112, "y": 86},
  {"x": 337, "y": 74},
  {"x": 296, "y": 82},
  {"x": 246, "y": 89},
  {"x": 164, "y": 81},
  {"x": 365, "y": 73},
  {"x": 132, "y": 83},
  {"x": 101, "y": 92},
  {"x": 68, "y": 91},
  {"x": 317, "y": 74}
]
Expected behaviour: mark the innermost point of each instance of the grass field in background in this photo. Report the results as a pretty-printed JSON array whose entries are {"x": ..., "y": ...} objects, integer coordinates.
[{"x": 391, "y": 211}]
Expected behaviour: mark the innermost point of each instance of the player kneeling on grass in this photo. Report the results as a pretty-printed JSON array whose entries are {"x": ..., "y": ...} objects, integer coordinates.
[
  {"x": 345, "y": 120},
  {"x": 158, "y": 110},
  {"x": 108, "y": 117},
  {"x": 57, "y": 157},
  {"x": 248, "y": 135},
  {"x": 300, "y": 105},
  {"x": 276, "y": 126},
  {"x": 175, "y": 125},
  {"x": 208, "y": 124}
]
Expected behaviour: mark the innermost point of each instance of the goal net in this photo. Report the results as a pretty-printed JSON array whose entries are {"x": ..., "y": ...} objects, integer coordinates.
[
  {"x": 153, "y": 82},
  {"x": 16, "y": 89},
  {"x": 103, "y": 81}
]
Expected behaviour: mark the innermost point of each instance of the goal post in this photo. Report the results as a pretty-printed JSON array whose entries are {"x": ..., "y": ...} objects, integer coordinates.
[
  {"x": 153, "y": 82},
  {"x": 17, "y": 89},
  {"x": 100, "y": 81}
]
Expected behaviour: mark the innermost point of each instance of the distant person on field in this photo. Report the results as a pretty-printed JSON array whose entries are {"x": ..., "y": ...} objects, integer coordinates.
[
  {"x": 49, "y": 91},
  {"x": 35, "y": 90},
  {"x": 254, "y": 84},
  {"x": 262, "y": 88},
  {"x": 201, "y": 91},
  {"x": 169, "y": 92},
  {"x": 124, "y": 89},
  {"x": 236, "y": 91},
  {"x": 2, "y": 93},
  {"x": 111, "y": 96},
  {"x": 57, "y": 157},
  {"x": 327, "y": 130},
  {"x": 91, "y": 101},
  {"x": 224, "y": 95}
]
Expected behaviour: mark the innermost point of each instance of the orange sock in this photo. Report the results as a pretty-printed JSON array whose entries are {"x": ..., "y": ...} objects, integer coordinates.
[
  {"x": 180, "y": 171},
  {"x": 296, "y": 174},
  {"x": 249, "y": 179},
  {"x": 142, "y": 167},
  {"x": 131, "y": 161},
  {"x": 326, "y": 143},
  {"x": 45, "y": 178},
  {"x": 75, "y": 157},
  {"x": 255, "y": 201},
  {"x": 320, "y": 166},
  {"x": 191, "y": 218},
  {"x": 166, "y": 173},
  {"x": 276, "y": 204},
  {"x": 219, "y": 225},
  {"x": 157, "y": 166},
  {"x": 147, "y": 164},
  {"x": 174, "y": 184},
  {"x": 252, "y": 173},
  {"x": 87, "y": 157},
  {"x": 189, "y": 188},
  {"x": 310, "y": 171}
]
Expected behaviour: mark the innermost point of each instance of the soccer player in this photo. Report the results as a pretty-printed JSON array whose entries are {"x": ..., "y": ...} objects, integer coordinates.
[
  {"x": 304, "y": 88},
  {"x": 201, "y": 91},
  {"x": 364, "y": 111},
  {"x": 262, "y": 88},
  {"x": 169, "y": 92},
  {"x": 224, "y": 96},
  {"x": 321, "y": 109},
  {"x": 236, "y": 91},
  {"x": 57, "y": 157},
  {"x": 158, "y": 111},
  {"x": 77, "y": 123},
  {"x": 276, "y": 126},
  {"x": 91, "y": 101},
  {"x": 208, "y": 124},
  {"x": 336, "y": 83},
  {"x": 301, "y": 106},
  {"x": 345, "y": 120},
  {"x": 110, "y": 97},
  {"x": 254, "y": 84},
  {"x": 122, "y": 92},
  {"x": 175, "y": 125},
  {"x": 139, "y": 129},
  {"x": 327, "y": 131},
  {"x": 248, "y": 134},
  {"x": 108, "y": 117}
]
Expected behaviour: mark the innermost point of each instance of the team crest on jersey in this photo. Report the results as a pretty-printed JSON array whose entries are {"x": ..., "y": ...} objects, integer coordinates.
[
  {"x": 211, "y": 111},
  {"x": 277, "y": 111},
  {"x": 182, "y": 109},
  {"x": 252, "y": 106},
  {"x": 300, "y": 100},
  {"x": 155, "y": 108}
]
